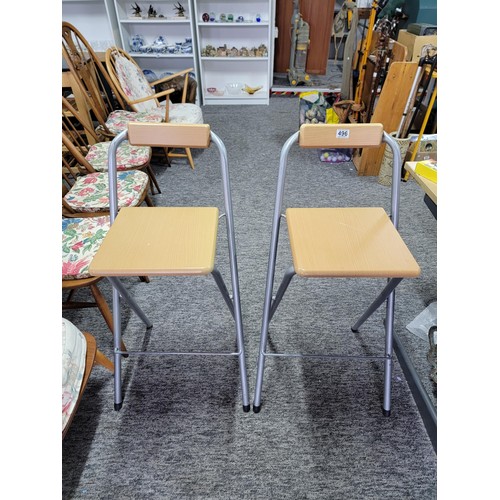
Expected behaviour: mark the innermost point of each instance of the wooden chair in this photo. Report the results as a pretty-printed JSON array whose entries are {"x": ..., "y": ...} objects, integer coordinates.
[
  {"x": 95, "y": 152},
  {"x": 170, "y": 241},
  {"x": 86, "y": 192},
  {"x": 139, "y": 94},
  {"x": 356, "y": 242},
  {"x": 79, "y": 356},
  {"x": 81, "y": 237},
  {"x": 91, "y": 82}
]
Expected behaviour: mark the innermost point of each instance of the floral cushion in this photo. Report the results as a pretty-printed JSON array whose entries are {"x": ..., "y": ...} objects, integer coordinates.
[
  {"x": 117, "y": 121},
  {"x": 133, "y": 82},
  {"x": 90, "y": 193},
  {"x": 136, "y": 86},
  {"x": 81, "y": 238},
  {"x": 127, "y": 157},
  {"x": 177, "y": 113},
  {"x": 74, "y": 350}
]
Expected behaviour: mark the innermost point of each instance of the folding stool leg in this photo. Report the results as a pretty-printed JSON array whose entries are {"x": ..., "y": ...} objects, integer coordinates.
[
  {"x": 271, "y": 267},
  {"x": 267, "y": 314},
  {"x": 389, "y": 337},
  {"x": 289, "y": 274},
  {"x": 389, "y": 288},
  {"x": 223, "y": 289},
  {"x": 387, "y": 295},
  {"x": 234, "y": 269},
  {"x": 130, "y": 301},
  {"x": 120, "y": 290},
  {"x": 117, "y": 335}
]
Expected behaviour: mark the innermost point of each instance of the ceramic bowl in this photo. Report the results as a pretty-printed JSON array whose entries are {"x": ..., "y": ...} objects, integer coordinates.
[{"x": 215, "y": 92}]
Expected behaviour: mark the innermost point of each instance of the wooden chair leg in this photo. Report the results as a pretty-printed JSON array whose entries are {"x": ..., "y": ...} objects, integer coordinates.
[
  {"x": 167, "y": 157},
  {"x": 102, "y": 360},
  {"x": 153, "y": 179},
  {"x": 190, "y": 157},
  {"x": 148, "y": 201},
  {"x": 105, "y": 310}
]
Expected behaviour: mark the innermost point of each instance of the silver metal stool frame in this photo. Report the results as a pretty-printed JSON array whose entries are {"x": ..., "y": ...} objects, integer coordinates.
[
  {"x": 270, "y": 304},
  {"x": 233, "y": 302}
]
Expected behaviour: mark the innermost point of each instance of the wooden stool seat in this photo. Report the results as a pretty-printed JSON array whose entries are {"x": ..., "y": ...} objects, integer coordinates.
[
  {"x": 347, "y": 242},
  {"x": 159, "y": 241}
]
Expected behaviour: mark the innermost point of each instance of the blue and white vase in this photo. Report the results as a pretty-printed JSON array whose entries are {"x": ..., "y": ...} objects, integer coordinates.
[{"x": 136, "y": 43}]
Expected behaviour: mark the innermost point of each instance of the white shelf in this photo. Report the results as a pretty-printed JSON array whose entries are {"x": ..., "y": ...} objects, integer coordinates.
[
  {"x": 105, "y": 23},
  {"x": 155, "y": 21},
  {"x": 217, "y": 71},
  {"x": 174, "y": 31},
  {"x": 261, "y": 97},
  {"x": 161, "y": 56},
  {"x": 230, "y": 59},
  {"x": 231, "y": 25}
]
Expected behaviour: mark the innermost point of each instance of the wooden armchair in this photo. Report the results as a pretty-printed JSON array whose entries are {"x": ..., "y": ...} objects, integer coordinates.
[
  {"x": 81, "y": 239},
  {"x": 79, "y": 356},
  {"x": 91, "y": 82},
  {"x": 140, "y": 96},
  {"x": 86, "y": 191},
  {"x": 86, "y": 140}
]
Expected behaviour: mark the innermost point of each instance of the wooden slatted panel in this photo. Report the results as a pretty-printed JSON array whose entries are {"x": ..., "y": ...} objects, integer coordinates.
[
  {"x": 159, "y": 241},
  {"x": 173, "y": 135},
  {"x": 347, "y": 242},
  {"x": 388, "y": 111},
  {"x": 343, "y": 135}
]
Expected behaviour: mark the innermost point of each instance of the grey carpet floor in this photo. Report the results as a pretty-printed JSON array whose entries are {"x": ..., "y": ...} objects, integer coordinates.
[{"x": 181, "y": 433}]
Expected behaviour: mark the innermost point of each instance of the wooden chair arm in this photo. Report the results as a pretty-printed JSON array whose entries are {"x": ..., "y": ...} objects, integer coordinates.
[
  {"x": 153, "y": 96},
  {"x": 184, "y": 72},
  {"x": 170, "y": 77}
]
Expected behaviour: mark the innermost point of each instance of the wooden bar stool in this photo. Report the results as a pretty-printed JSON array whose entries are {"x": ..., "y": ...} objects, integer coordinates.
[
  {"x": 357, "y": 242},
  {"x": 169, "y": 241}
]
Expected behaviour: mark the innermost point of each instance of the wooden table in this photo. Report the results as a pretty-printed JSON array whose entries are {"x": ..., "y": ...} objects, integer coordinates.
[
  {"x": 428, "y": 187},
  {"x": 422, "y": 399}
]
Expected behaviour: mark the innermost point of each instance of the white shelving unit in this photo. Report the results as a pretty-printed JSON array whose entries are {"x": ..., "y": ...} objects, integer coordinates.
[
  {"x": 175, "y": 31},
  {"x": 95, "y": 19},
  {"x": 253, "y": 32}
]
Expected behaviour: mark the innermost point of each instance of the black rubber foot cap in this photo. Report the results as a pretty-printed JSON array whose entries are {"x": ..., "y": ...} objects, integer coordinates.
[
  {"x": 354, "y": 330},
  {"x": 246, "y": 408},
  {"x": 256, "y": 409},
  {"x": 118, "y": 406},
  {"x": 386, "y": 413}
]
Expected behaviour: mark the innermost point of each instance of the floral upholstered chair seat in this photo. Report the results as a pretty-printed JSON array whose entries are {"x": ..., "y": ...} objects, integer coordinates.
[
  {"x": 128, "y": 156},
  {"x": 90, "y": 193},
  {"x": 79, "y": 355},
  {"x": 136, "y": 86},
  {"x": 184, "y": 113},
  {"x": 117, "y": 120},
  {"x": 74, "y": 350},
  {"x": 81, "y": 238}
]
